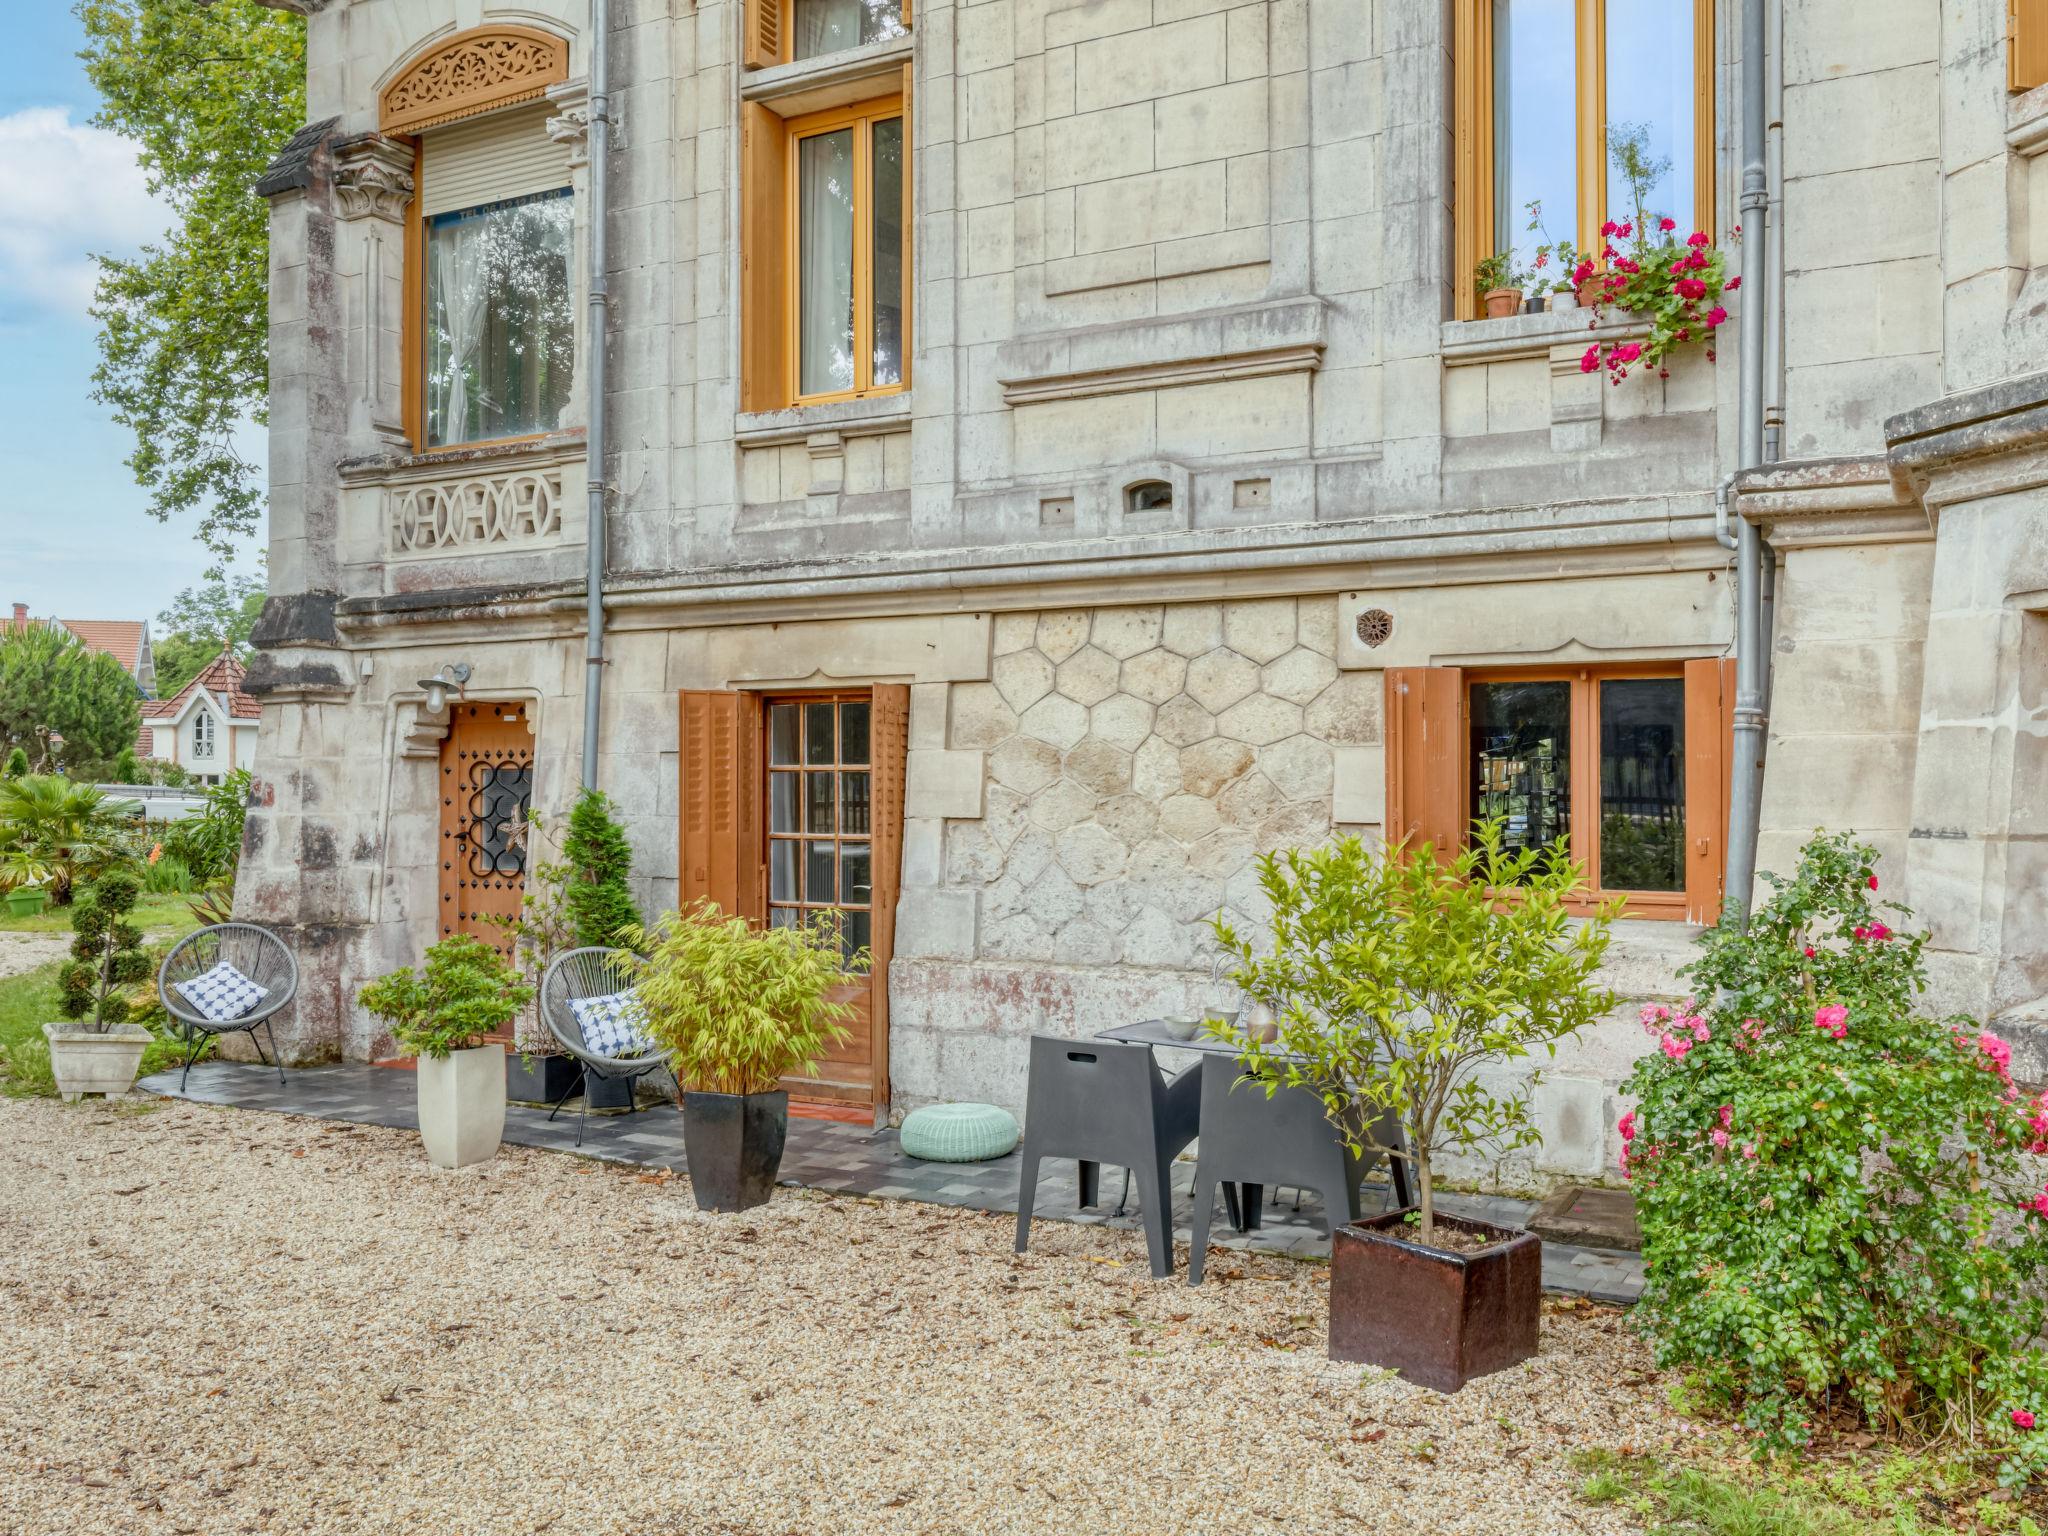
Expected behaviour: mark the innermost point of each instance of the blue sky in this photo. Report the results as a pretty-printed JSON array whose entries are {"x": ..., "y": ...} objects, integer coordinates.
[{"x": 75, "y": 540}]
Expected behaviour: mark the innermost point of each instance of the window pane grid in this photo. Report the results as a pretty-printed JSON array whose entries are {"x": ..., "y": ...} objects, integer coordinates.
[{"x": 819, "y": 833}]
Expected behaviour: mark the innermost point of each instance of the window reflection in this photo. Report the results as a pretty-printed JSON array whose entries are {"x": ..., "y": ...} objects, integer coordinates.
[
  {"x": 826, "y": 26},
  {"x": 1521, "y": 760},
  {"x": 1642, "y": 784},
  {"x": 1535, "y": 123},
  {"x": 1650, "y": 87},
  {"x": 500, "y": 334}
]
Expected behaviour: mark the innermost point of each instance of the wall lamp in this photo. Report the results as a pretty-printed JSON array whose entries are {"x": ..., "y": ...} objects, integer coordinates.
[{"x": 453, "y": 675}]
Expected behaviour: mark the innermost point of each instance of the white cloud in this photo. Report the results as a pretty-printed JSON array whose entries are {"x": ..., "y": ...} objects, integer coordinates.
[{"x": 67, "y": 190}]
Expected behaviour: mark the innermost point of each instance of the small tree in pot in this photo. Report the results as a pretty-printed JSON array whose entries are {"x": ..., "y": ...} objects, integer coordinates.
[
  {"x": 466, "y": 991},
  {"x": 739, "y": 1008},
  {"x": 102, "y": 1050},
  {"x": 1396, "y": 979}
]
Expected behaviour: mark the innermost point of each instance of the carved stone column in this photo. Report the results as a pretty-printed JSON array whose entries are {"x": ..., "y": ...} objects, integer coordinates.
[
  {"x": 569, "y": 126},
  {"x": 373, "y": 187}
]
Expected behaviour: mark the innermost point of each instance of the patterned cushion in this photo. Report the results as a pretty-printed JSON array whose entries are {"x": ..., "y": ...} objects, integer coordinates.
[
  {"x": 612, "y": 1025},
  {"x": 222, "y": 994},
  {"x": 957, "y": 1133}
]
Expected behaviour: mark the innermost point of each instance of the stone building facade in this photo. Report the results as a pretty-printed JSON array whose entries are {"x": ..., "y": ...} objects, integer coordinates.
[{"x": 1158, "y": 484}]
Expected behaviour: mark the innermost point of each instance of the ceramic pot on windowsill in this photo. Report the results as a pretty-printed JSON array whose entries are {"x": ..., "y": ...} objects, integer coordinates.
[
  {"x": 1562, "y": 299},
  {"x": 1499, "y": 303}
]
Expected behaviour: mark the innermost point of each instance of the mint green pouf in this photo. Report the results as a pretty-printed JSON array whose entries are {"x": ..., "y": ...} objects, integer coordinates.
[{"x": 958, "y": 1133}]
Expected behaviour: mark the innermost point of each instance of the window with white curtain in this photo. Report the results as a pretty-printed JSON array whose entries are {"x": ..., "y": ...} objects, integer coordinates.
[
  {"x": 826, "y": 26},
  {"x": 851, "y": 223}
]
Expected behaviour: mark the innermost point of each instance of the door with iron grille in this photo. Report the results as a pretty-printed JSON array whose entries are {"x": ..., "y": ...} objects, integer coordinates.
[{"x": 486, "y": 787}]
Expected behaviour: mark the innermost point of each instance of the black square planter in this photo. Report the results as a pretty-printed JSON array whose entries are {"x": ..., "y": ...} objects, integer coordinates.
[
  {"x": 538, "y": 1079},
  {"x": 732, "y": 1144}
]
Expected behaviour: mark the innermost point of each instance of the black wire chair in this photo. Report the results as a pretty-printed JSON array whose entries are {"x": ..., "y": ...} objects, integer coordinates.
[
  {"x": 577, "y": 975},
  {"x": 259, "y": 955}
]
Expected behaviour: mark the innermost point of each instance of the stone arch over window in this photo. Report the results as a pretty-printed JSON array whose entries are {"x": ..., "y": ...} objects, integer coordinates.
[{"x": 475, "y": 71}]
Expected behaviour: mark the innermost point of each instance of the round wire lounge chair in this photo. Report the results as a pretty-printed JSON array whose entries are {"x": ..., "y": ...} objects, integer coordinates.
[
  {"x": 586, "y": 973},
  {"x": 259, "y": 955}
]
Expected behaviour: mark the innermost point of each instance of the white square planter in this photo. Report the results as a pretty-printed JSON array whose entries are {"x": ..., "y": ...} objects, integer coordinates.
[
  {"x": 462, "y": 1106},
  {"x": 91, "y": 1061}
]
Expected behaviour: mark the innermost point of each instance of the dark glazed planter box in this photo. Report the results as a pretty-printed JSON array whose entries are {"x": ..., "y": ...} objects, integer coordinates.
[
  {"x": 1437, "y": 1318},
  {"x": 538, "y": 1079},
  {"x": 732, "y": 1143}
]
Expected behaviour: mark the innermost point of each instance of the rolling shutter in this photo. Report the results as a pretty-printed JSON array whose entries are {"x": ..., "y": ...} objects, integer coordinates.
[
  {"x": 1425, "y": 746},
  {"x": 1709, "y": 733},
  {"x": 764, "y": 146},
  {"x": 718, "y": 771},
  {"x": 490, "y": 160},
  {"x": 890, "y": 744}
]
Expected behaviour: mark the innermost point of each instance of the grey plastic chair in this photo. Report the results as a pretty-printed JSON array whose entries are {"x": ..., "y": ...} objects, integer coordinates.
[
  {"x": 1103, "y": 1101},
  {"x": 1252, "y": 1140},
  {"x": 259, "y": 955},
  {"x": 582, "y": 973}
]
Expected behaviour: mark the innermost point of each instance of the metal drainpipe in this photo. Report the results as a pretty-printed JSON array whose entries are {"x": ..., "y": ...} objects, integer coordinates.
[
  {"x": 594, "y": 387},
  {"x": 1746, "y": 773}
]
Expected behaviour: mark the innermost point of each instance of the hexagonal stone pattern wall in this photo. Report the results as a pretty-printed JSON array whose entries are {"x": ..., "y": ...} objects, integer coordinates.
[{"x": 1138, "y": 760}]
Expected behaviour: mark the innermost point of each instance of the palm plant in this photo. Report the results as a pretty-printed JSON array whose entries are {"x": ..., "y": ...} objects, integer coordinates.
[{"x": 71, "y": 830}]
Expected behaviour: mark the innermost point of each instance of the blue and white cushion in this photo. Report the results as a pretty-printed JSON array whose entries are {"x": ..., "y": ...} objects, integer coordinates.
[
  {"x": 221, "y": 994},
  {"x": 612, "y": 1025}
]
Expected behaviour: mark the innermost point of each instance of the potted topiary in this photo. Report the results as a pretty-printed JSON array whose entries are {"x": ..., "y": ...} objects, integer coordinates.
[
  {"x": 102, "y": 1055},
  {"x": 738, "y": 1008},
  {"x": 1397, "y": 979},
  {"x": 465, "y": 991},
  {"x": 1498, "y": 284}
]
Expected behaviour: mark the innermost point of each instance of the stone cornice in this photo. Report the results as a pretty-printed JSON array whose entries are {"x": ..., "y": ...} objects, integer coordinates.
[
  {"x": 1848, "y": 500},
  {"x": 1988, "y": 441},
  {"x": 1246, "y": 341}
]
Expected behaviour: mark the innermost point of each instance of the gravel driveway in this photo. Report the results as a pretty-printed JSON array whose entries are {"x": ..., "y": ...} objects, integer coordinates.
[
  {"x": 21, "y": 953},
  {"x": 223, "y": 1321}
]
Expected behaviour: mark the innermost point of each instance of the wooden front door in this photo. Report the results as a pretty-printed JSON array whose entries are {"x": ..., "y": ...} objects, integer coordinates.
[
  {"x": 486, "y": 787},
  {"x": 793, "y": 805}
]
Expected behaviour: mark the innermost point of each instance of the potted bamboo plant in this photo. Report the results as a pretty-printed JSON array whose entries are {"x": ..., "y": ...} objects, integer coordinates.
[
  {"x": 738, "y": 1008},
  {"x": 101, "y": 1050},
  {"x": 1398, "y": 978},
  {"x": 465, "y": 991}
]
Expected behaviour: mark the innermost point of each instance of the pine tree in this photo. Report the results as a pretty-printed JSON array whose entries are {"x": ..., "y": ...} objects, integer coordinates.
[
  {"x": 599, "y": 857},
  {"x": 62, "y": 704}
]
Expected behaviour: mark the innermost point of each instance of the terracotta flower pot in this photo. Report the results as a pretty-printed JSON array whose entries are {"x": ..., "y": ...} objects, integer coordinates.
[
  {"x": 1438, "y": 1318},
  {"x": 1589, "y": 292},
  {"x": 1501, "y": 302}
]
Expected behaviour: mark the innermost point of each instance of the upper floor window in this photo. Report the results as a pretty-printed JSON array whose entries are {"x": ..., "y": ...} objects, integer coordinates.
[
  {"x": 780, "y": 31},
  {"x": 1556, "y": 102},
  {"x": 202, "y": 734},
  {"x": 848, "y": 223}
]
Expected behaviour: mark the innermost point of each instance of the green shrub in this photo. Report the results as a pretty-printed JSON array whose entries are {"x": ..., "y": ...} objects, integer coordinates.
[
  {"x": 739, "y": 1008},
  {"x": 1830, "y": 1185},
  {"x": 1397, "y": 979},
  {"x": 106, "y": 954},
  {"x": 210, "y": 843},
  {"x": 68, "y": 832},
  {"x": 166, "y": 875},
  {"x": 17, "y": 764},
  {"x": 465, "y": 991},
  {"x": 600, "y": 904}
]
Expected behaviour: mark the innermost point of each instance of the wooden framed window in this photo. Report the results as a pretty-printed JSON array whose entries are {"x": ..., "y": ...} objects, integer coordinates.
[
  {"x": 1627, "y": 763},
  {"x": 2026, "y": 44},
  {"x": 1537, "y": 85},
  {"x": 826, "y": 253},
  {"x": 782, "y": 31},
  {"x": 821, "y": 812}
]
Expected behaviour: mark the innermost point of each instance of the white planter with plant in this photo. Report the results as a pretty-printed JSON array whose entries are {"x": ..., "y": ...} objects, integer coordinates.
[
  {"x": 739, "y": 1008},
  {"x": 465, "y": 991},
  {"x": 1397, "y": 979},
  {"x": 102, "y": 1051}
]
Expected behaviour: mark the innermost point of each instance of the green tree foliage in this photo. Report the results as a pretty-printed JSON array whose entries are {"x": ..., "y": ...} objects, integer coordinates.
[
  {"x": 216, "y": 615},
  {"x": 599, "y": 902},
  {"x": 17, "y": 764},
  {"x": 58, "y": 833},
  {"x": 62, "y": 704},
  {"x": 1835, "y": 1208},
  {"x": 209, "y": 93},
  {"x": 106, "y": 953},
  {"x": 1398, "y": 978},
  {"x": 739, "y": 1008},
  {"x": 465, "y": 991}
]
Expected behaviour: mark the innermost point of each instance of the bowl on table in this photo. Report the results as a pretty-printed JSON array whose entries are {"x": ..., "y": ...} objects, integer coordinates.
[{"x": 1182, "y": 1026}]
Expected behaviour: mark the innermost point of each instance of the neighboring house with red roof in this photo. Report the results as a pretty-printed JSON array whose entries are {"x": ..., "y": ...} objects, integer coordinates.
[
  {"x": 208, "y": 727},
  {"x": 126, "y": 640}
]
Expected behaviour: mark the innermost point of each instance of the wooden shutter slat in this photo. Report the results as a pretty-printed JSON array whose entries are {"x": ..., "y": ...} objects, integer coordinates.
[
  {"x": 762, "y": 46},
  {"x": 1709, "y": 721},
  {"x": 1424, "y": 728},
  {"x": 764, "y": 148},
  {"x": 890, "y": 747},
  {"x": 718, "y": 781},
  {"x": 2026, "y": 44}
]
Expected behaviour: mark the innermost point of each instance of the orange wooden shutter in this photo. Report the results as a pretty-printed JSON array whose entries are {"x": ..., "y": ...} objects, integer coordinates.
[
  {"x": 2026, "y": 44},
  {"x": 1425, "y": 745},
  {"x": 1709, "y": 724},
  {"x": 890, "y": 748},
  {"x": 763, "y": 43},
  {"x": 718, "y": 772},
  {"x": 764, "y": 149}
]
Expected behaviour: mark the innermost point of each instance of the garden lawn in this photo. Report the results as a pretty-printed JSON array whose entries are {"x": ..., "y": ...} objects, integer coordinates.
[
  {"x": 28, "y": 1001},
  {"x": 159, "y": 916}
]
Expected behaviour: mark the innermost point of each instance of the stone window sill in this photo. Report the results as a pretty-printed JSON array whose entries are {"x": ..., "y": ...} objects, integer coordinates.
[
  {"x": 1494, "y": 341},
  {"x": 832, "y": 80},
  {"x": 510, "y": 454},
  {"x": 883, "y": 413}
]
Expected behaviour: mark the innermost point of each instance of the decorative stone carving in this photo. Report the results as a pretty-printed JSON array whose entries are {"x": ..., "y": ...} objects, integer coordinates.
[
  {"x": 471, "y": 73},
  {"x": 373, "y": 178},
  {"x": 569, "y": 125},
  {"x": 518, "y": 507}
]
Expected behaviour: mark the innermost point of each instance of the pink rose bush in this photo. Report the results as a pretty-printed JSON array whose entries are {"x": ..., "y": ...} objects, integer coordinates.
[{"x": 1833, "y": 1187}]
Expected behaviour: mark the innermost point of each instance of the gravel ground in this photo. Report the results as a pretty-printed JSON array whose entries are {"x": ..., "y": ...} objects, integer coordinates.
[
  {"x": 23, "y": 952},
  {"x": 223, "y": 1321}
]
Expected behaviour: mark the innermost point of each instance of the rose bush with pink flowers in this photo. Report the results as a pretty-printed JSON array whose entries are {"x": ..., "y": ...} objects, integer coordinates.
[{"x": 1835, "y": 1193}]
